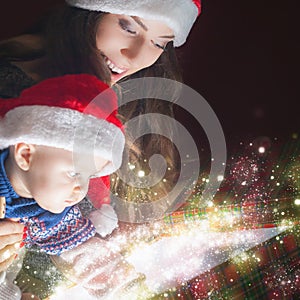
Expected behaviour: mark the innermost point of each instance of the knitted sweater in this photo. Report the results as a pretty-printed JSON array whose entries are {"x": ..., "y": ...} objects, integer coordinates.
[{"x": 53, "y": 233}]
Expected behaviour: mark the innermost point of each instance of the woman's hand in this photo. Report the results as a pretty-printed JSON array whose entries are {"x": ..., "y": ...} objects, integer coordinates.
[
  {"x": 100, "y": 270},
  {"x": 11, "y": 234}
]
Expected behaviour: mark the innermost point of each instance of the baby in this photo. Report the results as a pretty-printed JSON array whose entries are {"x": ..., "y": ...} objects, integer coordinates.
[{"x": 53, "y": 139}]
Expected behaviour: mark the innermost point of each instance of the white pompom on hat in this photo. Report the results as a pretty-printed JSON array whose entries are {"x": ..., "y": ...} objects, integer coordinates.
[
  {"x": 71, "y": 112},
  {"x": 105, "y": 220},
  {"x": 179, "y": 15}
]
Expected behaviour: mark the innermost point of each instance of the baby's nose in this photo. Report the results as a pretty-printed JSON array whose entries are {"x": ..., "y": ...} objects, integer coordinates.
[{"x": 80, "y": 190}]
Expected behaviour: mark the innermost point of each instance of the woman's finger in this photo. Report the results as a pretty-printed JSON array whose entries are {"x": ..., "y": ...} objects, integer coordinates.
[
  {"x": 6, "y": 240},
  {"x": 6, "y": 263},
  {"x": 10, "y": 227},
  {"x": 8, "y": 251}
]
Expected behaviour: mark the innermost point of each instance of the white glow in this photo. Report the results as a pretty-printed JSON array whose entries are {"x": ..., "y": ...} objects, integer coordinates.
[
  {"x": 220, "y": 178},
  {"x": 141, "y": 173},
  {"x": 210, "y": 204},
  {"x": 261, "y": 149},
  {"x": 131, "y": 167},
  {"x": 297, "y": 201}
]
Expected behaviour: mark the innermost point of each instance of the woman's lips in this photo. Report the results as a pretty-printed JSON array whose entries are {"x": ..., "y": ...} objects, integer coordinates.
[{"x": 114, "y": 67}]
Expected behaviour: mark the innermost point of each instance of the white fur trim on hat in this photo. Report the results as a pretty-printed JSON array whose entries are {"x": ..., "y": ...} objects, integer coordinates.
[
  {"x": 64, "y": 128},
  {"x": 179, "y": 15}
]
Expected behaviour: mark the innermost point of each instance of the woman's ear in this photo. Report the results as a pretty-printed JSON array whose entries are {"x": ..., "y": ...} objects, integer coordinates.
[{"x": 23, "y": 154}]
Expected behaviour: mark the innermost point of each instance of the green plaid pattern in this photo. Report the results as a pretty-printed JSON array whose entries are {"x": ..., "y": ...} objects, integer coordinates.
[{"x": 269, "y": 271}]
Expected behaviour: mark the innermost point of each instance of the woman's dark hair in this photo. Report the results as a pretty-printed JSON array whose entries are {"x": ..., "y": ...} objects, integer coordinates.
[
  {"x": 71, "y": 43},
  {"x": 148, "y": 145}
]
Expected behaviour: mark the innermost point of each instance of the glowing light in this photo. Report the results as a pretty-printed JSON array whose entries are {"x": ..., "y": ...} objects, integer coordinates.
[
  {"x": 295, "y": 136},
  {"x": 131, "y": 167},
  {"x": 141, "y": 173},
  {"x": 261, "y": 149},
  {"x": 297, "y": 201},
  {"x": 210, "y": 204},
  {"x": 220, "y": 178}
]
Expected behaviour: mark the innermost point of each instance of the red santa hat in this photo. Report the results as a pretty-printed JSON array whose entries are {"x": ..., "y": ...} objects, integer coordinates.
[
  {"x": 179, "y": 15},
  {"x": 72, "y": 112}
]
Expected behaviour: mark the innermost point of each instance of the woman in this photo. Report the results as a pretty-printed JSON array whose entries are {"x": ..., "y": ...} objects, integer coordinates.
[{"x": 114, "y": 40}]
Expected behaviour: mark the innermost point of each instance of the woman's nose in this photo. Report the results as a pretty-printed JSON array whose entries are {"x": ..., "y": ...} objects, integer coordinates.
[{"x": 135, "y": 52}]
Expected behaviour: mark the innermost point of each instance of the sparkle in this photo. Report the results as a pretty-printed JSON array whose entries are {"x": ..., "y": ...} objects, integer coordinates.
[
  {"x": 131, "y": 166},
  {"x": 297, "y": 201},
  {"x": 141, "y": 173},
  {"x": 261, "y": 150},
  {"x": 210, "y": 204},
  {"x": 220, "y": 178}
]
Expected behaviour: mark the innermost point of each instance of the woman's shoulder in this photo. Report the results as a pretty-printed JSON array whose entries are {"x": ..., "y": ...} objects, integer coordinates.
[
  {"x": 13, "y": 51},
  {"x": 23, "y": 47},
  {"x": 13, "y": 80}
]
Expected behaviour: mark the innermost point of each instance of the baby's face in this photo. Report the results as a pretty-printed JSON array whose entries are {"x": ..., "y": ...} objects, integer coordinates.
[{"x": 55, "y": 182}]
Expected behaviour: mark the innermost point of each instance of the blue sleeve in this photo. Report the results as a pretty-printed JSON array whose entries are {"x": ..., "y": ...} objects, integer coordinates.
[{"x": 69, "y": 233}]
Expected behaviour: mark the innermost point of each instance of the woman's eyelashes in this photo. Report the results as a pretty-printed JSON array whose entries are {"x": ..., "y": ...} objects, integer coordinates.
[
  {"x": 130, "y": 28},
  {"x": 127, "y": 26},
  {"x": 159, "y": 46}
]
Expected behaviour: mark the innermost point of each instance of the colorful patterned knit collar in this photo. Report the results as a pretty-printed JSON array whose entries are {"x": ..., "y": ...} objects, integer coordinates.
[{"x": 24, "y": 208}]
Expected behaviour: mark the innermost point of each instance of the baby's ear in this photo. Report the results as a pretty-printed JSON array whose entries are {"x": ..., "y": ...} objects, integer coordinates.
[{"x": 23, "y": 154}]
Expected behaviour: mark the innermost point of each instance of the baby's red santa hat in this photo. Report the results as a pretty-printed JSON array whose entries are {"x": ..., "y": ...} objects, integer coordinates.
[
  {"x": 72, "y": 112},
  {"x": 179, "y": 15}
]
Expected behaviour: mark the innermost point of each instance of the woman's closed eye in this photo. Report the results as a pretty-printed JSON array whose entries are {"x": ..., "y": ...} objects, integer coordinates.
[
  {"x": 127, "y": 26},
  {"x": 160, "y": 46}
]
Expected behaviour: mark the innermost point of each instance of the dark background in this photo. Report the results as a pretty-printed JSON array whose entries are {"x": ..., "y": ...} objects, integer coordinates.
[{"x": 241, "y": 56}]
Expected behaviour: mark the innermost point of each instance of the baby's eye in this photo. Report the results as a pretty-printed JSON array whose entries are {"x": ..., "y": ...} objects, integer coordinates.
[
  {"x": 73, "y": 174},
  {"x": 125, "y": 25}
]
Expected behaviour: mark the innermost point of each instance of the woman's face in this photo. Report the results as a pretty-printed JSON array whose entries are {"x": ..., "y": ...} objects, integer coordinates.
[{"x": 130, "y": 44}]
